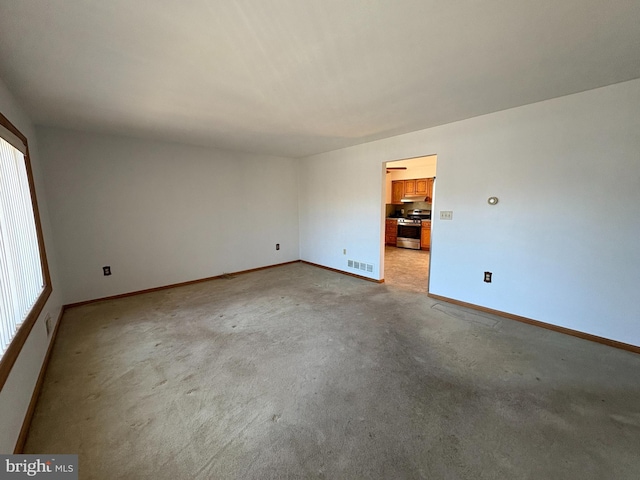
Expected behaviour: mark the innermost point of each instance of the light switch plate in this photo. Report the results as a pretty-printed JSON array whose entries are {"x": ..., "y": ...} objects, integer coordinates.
[{"x": 446, "y": 214}]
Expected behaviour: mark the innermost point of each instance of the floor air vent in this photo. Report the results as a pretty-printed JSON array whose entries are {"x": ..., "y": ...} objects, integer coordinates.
[{"x": 365, "y": 267}]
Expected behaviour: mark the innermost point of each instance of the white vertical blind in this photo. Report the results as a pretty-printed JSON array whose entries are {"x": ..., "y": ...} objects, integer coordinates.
[{"x": 21, "y": 279}]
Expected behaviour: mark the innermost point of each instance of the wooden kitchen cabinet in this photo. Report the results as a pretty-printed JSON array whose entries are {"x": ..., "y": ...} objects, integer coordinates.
[
  {"x": 409, "y": 187},
  {"x": 413, "y": 187},
  {"x": 390, "y": 231},
  {"x": 425, "y": 235},
  {"x": 421, "y": 186},
  {"x": 430, "y": 189},
  {"x": 397, "y": 191},
  {"x": 424, "y": 186}
]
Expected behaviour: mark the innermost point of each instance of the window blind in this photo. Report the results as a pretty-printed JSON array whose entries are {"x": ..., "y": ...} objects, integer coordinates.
[{"x": 21, "y": 277}]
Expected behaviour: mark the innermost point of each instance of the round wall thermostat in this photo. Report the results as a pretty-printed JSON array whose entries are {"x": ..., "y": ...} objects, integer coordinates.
[{"x": 492, "y": 200}]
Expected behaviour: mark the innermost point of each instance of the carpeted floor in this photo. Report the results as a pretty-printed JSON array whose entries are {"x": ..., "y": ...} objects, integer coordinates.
[{"x": 299, "y": 372}]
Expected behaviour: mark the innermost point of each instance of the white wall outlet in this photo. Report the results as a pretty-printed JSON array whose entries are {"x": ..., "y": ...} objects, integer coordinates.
[
  {"x": 344, "y": 251},
  {"x": 446, "y": 214}
]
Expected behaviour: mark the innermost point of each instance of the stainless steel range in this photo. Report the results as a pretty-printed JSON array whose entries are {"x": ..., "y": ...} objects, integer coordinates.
[
  {"x": 409, "y": 229},
  {"x": 409, "y": 233}
]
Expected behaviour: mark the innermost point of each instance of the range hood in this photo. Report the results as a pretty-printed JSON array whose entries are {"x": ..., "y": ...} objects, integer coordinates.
[{"x": 415, "y": 198}]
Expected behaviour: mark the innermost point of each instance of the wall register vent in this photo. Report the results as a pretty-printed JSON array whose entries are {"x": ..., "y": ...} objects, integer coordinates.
[{"x": 365, "y": 267}]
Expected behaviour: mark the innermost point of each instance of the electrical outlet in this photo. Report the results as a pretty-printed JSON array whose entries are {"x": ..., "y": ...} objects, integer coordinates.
[
  {"x": 277, "y": 246},
  {"x": 48, "y": 324},
  {"x": 446, "y": 214},
  {"x": 106, "y": 270},
  {"x": 487, "y": 277},
  {"x": 344, "y": 251}
]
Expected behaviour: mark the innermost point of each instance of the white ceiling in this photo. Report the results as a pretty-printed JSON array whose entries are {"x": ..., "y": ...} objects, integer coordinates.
[{"x": 297, "y": 77}]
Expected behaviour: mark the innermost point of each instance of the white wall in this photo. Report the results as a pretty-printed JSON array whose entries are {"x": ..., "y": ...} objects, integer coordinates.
[
  {"x": 162, "y": 213},
  {"x": 563, "y": 241},
  {"x": 16, "y": 392},
  {"x": 341, "y": 208}
]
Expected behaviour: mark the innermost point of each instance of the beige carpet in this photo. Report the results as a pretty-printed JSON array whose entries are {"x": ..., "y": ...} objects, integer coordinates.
[{"x": 299, "y": 372}]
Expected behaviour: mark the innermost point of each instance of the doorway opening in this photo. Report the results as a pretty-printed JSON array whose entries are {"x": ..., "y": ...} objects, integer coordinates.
[{"x": 408, "y": 204}]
